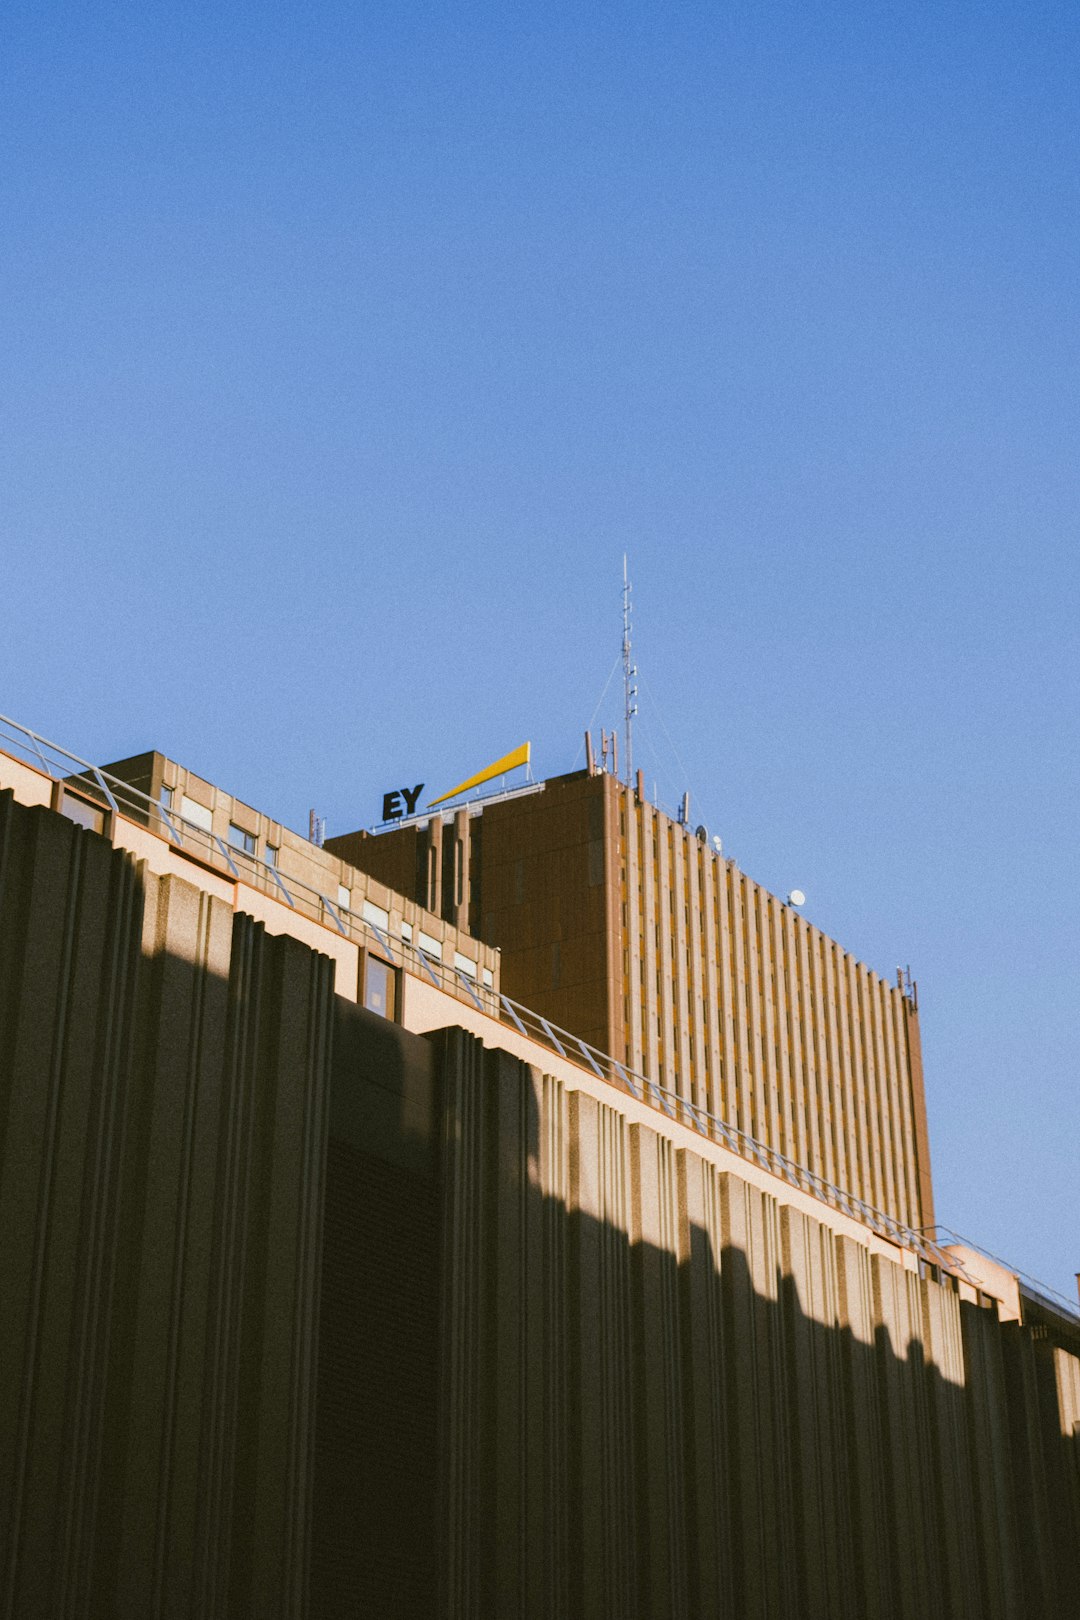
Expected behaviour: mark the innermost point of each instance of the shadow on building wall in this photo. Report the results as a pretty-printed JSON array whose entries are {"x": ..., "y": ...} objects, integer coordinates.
[
  {"x": 666, "y": 1394},
  {"x": 164, "y": 1090},
  {"x": 303, "y": 1315}
]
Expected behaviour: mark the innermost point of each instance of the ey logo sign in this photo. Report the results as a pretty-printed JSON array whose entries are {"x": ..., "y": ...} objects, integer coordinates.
[{"x": 402, "y": 801}]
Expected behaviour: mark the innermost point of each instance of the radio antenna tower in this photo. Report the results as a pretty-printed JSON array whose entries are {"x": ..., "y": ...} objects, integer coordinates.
[{"x": 630, "y": 707}]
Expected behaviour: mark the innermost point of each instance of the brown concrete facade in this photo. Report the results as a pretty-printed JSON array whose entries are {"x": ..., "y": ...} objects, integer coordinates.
[
  {"x": 156, "y": 776},
  {"x": 306, "y": 1316},
  {"x": 164, "y": 1088},
  {"x": 319, "y": 871},
  {"x": 530, "y": 876},
  {"x": 618, "y": 924},
  {"x": 674, "y": 1396}
]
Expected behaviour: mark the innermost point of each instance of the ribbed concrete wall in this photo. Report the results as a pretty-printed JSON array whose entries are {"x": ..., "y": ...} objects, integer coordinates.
[
  {"x": 619, "y": 925},
  {"x": 581, "y": 1370},
  {"x": 163, "y": 1101},
  {"x": 729, "y": 997},
  {"x": 667, "y": 1394}
]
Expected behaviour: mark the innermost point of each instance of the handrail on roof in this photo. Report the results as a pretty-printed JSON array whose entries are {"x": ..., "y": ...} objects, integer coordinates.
[
  {"x": 90, "y": 779},
  {"x": 1040, "y": 1291},
  {"x": 118, "y": 796},
  {"x": 715, "y": 1129}
]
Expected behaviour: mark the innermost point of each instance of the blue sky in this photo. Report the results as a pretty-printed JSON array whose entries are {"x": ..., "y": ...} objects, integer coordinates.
[{"x": 344, "y": 351}]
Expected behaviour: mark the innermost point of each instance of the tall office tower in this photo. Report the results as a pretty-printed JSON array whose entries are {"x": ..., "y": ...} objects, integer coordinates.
[{"x": 630, "y": 930}]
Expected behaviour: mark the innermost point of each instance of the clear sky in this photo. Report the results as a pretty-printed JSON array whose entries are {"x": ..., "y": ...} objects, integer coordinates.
[{"x": 345, "y": 348}]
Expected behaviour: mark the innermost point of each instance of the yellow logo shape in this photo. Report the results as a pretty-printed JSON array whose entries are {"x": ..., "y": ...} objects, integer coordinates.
[{"x": 509, "y": 762}]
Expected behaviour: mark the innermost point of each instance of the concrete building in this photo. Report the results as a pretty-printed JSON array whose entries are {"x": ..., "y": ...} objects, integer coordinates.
[
  {"x": 202, "y": 821},
  {"x": 310, "y": 1311},
  {"x": 623, "y": 926}
]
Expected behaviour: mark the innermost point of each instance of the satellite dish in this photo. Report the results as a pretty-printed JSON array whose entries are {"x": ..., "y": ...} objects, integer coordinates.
[
  {"x": 796, "y": 898},
  {"x": 718, "y": 844},
  {"x": 702, "y": 833}
]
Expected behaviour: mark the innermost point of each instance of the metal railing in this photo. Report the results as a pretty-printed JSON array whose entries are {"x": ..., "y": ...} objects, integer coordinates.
[
  {"x": 111, "y": 794},
  {"x": 680, "y": 1109},
  {"x": 114, "y": 795},
  {"x": 1039, "y": 1291}
]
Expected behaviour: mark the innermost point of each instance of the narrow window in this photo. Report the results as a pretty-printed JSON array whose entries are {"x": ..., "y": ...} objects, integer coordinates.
[
  {"x": 196, "y": 813},
  {"x": 380, "y": 988},
  {"x": 82, "y": 812},
  {"x": 372, "y": 913},
  {"x": 241, "y": 839}
]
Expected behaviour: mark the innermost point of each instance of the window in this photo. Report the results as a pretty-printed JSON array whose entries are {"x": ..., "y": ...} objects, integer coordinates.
[
  {"x": 375, "y": 914},
  {"x": 380, "y": 988},
  {"x": 430, "y": 946},
  {"x": 448, "y": 865},
  {"x": 166, "y": 797},
  {"x": 344, "y": 897},
  {"x": 272, "y": 855},
  {"x": 197, "y": 813},
  {"x": 82, "y": 812},
  {"x": 240, "y": 839}
]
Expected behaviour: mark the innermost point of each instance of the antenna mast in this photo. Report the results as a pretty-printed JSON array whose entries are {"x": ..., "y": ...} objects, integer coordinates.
[{"x": 629, "y": 672}]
